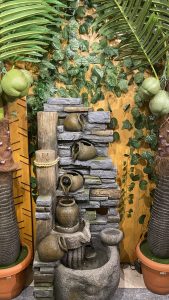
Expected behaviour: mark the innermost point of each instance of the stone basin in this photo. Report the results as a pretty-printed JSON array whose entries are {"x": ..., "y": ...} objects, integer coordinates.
[{"x": 96, "y": 283}]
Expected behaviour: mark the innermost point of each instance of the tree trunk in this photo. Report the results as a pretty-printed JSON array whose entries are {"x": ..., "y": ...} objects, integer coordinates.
[{"x": 9, "y": 232}]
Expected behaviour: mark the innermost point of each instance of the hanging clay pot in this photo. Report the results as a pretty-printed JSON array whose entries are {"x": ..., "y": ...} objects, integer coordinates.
[
  {"x": 52, "y": 248},
  {"x": 67, "y": 213},
  {"x": 83, "y": 150},
  {"x": 74, "y": 122},
  {"x": 71, "y": 181}
]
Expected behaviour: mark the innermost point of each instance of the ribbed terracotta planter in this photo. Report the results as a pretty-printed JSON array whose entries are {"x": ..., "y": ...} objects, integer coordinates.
[
  {"x": 12, "y": 280},
  {"x": 155, "y": 275}
]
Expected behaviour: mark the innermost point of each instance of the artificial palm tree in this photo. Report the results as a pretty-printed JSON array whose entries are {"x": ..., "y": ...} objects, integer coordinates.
[
  {"x": 142, "y": 27},
  {"x": 26, "y": 29}
]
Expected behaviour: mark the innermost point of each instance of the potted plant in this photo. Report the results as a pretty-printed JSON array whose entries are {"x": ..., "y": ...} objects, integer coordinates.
[
  {"x": 142, "y": 30},
  {"x": 26, "y": 28}
]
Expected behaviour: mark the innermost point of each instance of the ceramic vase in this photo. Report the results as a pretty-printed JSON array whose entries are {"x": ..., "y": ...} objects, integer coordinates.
[
  {"x": 83, "y": 150},
  {"x": 74, "y": 122},
  {"x": 67, "y": 213},
  {"x": 71, "y": 181}
]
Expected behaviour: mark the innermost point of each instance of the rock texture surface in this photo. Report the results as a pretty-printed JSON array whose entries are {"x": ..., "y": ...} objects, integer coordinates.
[{"x": 98, "y": 200}]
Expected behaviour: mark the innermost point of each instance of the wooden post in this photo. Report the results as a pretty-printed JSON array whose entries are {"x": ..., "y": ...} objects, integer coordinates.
[
  {"x": 47, "y": 130},
  {"x": 46, "y": 176}
]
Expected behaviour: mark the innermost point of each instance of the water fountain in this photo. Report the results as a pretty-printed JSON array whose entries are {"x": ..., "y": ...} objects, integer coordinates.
[{"x": 77, "y": 221}]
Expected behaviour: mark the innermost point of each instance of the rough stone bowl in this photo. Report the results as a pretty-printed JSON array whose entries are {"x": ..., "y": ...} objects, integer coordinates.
[
  {"x": 111, "y": 236},
  {"x": 91, "y": 284}
]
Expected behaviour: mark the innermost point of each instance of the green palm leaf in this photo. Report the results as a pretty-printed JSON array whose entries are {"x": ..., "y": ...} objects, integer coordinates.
[
  {"x": 25, "y": 27},
  {"x": 140, "y": 25}
]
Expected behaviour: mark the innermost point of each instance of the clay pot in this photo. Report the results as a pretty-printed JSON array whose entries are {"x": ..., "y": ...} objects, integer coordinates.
[
  {"x": 74, "y": 122},
  {"x": 155, "y": 275},
  {"x": 83, "y": 150},
  {"x": 111, "y": 236},
  {"x": 13, "y": 279},
  {"x": 52, "y": 248},
  {"x": 71, "y": 181},
  {"x": 67, "y": 213}
]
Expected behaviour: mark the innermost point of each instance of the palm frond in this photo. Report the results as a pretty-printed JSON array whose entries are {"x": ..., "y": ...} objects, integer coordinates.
[
  {"x": 139, "y": 24},
  {"x": 25, "y": 27}
]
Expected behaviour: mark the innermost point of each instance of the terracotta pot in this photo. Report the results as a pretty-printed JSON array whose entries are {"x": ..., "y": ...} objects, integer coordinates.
[
  {"x": 71, "y": 181},
  {"x": 67, "y": 213},
  {"x": 155, "y": 275},
  {"x": 51, "y": 248},
  {"x": 74, "y": 122},
  {"x": 12, "y": 280},
  {"x": 83, "y": 150}
]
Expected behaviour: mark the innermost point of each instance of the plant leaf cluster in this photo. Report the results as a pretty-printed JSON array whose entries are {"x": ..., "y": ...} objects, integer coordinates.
[{"x": 26, "y": 28}]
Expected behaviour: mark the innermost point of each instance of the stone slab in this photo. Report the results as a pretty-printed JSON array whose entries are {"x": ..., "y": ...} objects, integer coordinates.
[
  {"x": 39, "y": 264},
  {"x": 94, "y": 126},
  {"x": 111, "y": 193},
  {"x": 113, "y": 219},
  {"x": 99, "y": 117},
  {"x": 96, "y": 163},
  {"x": 43, "y": 209},
  {"x": 65, "y": 101},
  {"x": 43, "y": 215},
  {"x": 100, "y": 220},
  {"x": 74, "y": 136},
  {"x": 38, "y": 277},
  {"x": 80, "y": 195},
  {"x": 44, "y": 201},
  {"x": 91, "y": 204},
  {"x": 70, "y": 109},
  {"x": 47, "y": 270},
  {"x": 43, "y": 292},
  {"x": 109, "y": 203},
  {"x": 96, "y": 228},
  {"x": 98, "y": 198},
  {"x": 102, "y": 132},
  {"x": 104, "y": 173},
  {"x": 90, "y": 180}
]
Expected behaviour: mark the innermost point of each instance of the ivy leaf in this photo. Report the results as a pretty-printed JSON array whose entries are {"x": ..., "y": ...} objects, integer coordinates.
[
  {"x": 113, "y": 123},
  {"x": 135, "y": 177},
  {"x": 33, "y": 182},
  {"x": 131, "y": 186},
  {"x": 110, "y": 51},
  {"x": 80, "y": 12},
  {"x": 116, "y": 136},
  {"x": 143, "y": 185},
  {"x": 83, "y": 45},
  {"x": 142, "y": 219},
  {"x": 139, "y": 77},
  {"x": 74, "y": 44},
  {"x": 134, "y": 143},
  {"x": 126, "y": 107},
  {"x": 134, "y": 159},
  {"x": 98, "y": 96},
  {"x": 127, "y": 125},
  {"x": 123, "y": 85},
  {"x": 128, "y": 63},
  {"x": 83, "y": 29},
  {"x": 148, "y": 156},
  {"x": 152, "y": 140},
  {"x": 148, "y": 170},
  {"x": 138, "y": 134},
  {"x": 135, "y": 112}
]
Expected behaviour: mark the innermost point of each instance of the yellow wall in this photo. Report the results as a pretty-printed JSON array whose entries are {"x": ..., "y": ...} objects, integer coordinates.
[
  {"x": 21, "y": 178},
  {"x": 130, "y": 226}
]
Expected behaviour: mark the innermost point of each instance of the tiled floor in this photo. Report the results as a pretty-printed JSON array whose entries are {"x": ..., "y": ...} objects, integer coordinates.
[{"x": 131, "y": 287}]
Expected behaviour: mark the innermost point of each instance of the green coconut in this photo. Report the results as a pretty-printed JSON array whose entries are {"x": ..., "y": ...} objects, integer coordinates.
[
  {"x": 0, "y": 89},
  {"x": 149, "y": 88},
  {"x": 159, "y": 104},
  {"x": 28, "y": 76},
  {"x": 15, "y": 83}
]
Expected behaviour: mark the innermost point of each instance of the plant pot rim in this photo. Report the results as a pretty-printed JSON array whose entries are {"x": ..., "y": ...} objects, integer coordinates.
[
  {"x": 150, "y": 263},
  {"x": 19, "y": 267}
]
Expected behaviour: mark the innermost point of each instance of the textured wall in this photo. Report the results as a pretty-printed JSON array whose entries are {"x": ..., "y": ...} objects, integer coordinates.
[{"x": 21, "y": 178}]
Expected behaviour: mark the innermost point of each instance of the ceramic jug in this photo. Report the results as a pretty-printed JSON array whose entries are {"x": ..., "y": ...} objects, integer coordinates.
[
  {"x": 52, "y": 248},
  {"x": 67, "y": 213},
  {"x": 74, "y": 122},
  {"x": 83, "y": 150},
  {"x": 71, "y": 181}
]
